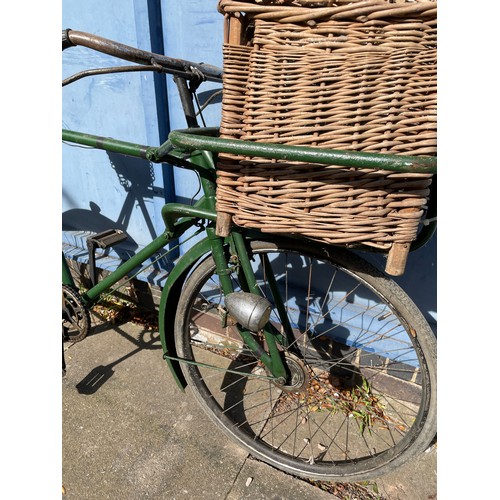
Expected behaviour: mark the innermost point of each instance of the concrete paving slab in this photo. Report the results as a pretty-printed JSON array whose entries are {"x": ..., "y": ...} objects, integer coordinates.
[
  {"x": 130, "y": 433},
  {"x": 258, "y": 481},
  {"x": 416, "y": 480}
]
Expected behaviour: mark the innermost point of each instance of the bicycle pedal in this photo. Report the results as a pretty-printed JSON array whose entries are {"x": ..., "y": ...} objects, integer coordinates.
[
  {"x": 103, "y": 240},
  {"x": 107, "y": 238}
]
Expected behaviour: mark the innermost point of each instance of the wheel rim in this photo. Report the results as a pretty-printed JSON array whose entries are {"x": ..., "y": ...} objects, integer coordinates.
[{"x": 360, "y": 395}]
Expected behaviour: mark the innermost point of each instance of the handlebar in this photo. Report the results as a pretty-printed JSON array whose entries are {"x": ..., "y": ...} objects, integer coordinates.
[
  {"x": 66, "y": 43},
  {"x": 147, "y": 60}
]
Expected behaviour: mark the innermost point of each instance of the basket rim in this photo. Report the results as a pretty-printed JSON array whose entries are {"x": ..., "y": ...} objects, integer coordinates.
[{"x": 363, "y": 10}]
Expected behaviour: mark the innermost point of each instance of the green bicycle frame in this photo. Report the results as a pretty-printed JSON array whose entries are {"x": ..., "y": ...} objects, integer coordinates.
[
  {"x": 178, "y": 218},
  {"x": 198, "y": 144}
]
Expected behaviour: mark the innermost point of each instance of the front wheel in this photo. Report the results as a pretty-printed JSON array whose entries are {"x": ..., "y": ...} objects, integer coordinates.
[{"x": 361, "y": 396}]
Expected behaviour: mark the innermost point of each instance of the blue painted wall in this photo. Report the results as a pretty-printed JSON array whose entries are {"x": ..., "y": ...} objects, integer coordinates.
[{"x": 102, "y": 190}]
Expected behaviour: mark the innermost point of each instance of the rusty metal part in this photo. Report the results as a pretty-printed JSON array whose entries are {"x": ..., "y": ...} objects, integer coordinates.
[{"x": 143, "y": 57}]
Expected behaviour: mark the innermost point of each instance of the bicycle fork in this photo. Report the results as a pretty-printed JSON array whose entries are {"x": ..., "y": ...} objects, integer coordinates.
[{"x": 249, "y": 307}]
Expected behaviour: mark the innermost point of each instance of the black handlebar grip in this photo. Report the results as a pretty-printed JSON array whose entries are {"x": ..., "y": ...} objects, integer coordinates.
[{"x": 66, "y": 42}]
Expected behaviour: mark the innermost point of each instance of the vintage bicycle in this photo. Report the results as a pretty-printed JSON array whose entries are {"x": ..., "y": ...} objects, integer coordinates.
[{"x": 302, "y": 352}]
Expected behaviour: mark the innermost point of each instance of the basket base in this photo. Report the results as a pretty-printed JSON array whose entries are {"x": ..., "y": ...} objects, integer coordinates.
[{"x": 397, "y": 255}]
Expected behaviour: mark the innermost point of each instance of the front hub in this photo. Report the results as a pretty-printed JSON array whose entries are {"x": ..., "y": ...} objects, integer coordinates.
[{"x": 298, "y": 375}]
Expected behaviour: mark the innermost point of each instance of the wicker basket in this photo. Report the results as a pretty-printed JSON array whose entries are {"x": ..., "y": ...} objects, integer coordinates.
[{"x": 346, "y": 75}]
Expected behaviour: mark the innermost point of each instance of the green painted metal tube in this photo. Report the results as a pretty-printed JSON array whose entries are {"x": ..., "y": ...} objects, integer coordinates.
[
  {"x": 227, "y": 287},
  {"x": 205, "y": 140},
  {"x": 220, "y": 260},
  {"x": 113, "y": 145},
  {"x": 199, "y": 161},
  {"x": 174, "y": 211},
  {"x": 275, "y": 363},
  {"x": 204, "y": 164},
  {"x": 246, "y": 266},
  {"x": 126, "y": 267},
  {"x": 192, "y": 139},
  {"x": 278, "y": 300}
]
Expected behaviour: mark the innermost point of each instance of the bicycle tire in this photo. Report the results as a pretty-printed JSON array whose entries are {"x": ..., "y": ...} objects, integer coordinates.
[{"x": 367, "y": 360}]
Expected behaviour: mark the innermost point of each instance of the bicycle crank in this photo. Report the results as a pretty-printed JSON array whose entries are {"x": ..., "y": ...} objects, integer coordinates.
[{"x": 75, "y": 316}]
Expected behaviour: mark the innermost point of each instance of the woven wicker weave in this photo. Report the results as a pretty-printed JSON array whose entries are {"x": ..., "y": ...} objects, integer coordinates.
[{"x": 349, "y": 76}]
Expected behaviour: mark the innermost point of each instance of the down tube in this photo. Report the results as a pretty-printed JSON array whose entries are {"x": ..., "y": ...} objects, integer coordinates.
[{"x": 127, "y": 267}]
